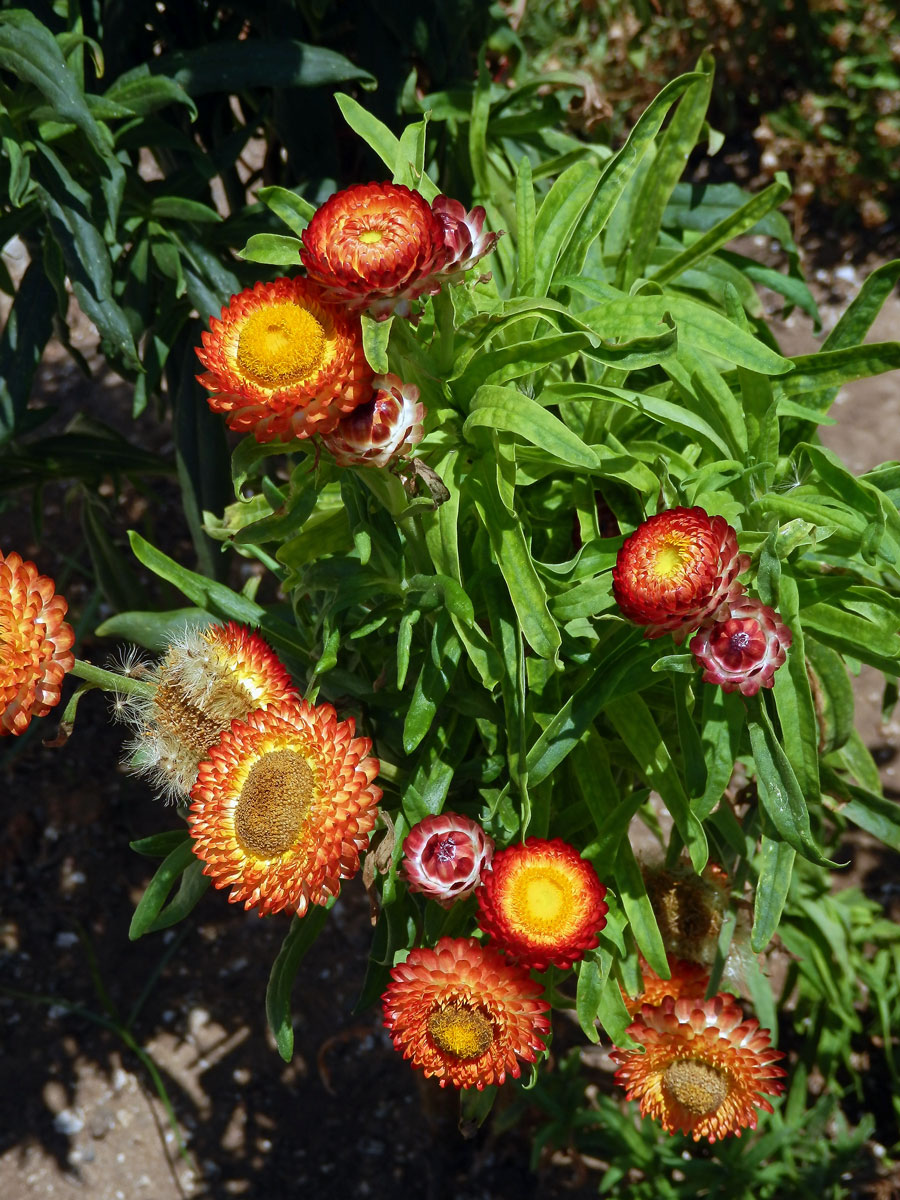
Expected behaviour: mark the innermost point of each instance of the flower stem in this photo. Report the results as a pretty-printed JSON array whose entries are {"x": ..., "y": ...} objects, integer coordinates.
[{"x": 111, "y": 681}]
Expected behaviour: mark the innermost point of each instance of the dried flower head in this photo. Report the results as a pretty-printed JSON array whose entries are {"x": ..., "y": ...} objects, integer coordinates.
[
  {"x": 685, "y": 979},
  {"x": 464, "y": 1014},
  {"x": 35, "y": 644},
  {"x": 283, "y": 807},
  {"x": 542, "y": 903},
  {"x": 704, "y": 1071},
  {"x": 742, "y": 649},
  {"x": 374, "y": 246},
  {"x": 206, "y": 679},
  {"x": 444, "y": 857},
  {"x": 282, "y": 363},
  {"x": 689, "y": 909},
  {"x": 383, "y": 429},
  {"x": 676, "y": 569}
]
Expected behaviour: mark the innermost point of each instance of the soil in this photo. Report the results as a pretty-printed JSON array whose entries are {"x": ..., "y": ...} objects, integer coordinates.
[{"x": 88, "y": 1016}]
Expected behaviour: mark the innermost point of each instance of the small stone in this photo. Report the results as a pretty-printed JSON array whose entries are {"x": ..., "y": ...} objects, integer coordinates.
[{"x": 68, "y": 1122}]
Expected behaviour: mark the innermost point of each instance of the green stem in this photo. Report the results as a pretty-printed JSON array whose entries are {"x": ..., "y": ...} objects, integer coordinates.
[{"x": 111, "y": 681}]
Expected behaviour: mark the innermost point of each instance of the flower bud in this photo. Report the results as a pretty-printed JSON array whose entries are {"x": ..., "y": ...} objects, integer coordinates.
[
  {"x": 384, "y": 429},
  {"x": 444, "y": 857},
  {"x": 742, "y": 651}
]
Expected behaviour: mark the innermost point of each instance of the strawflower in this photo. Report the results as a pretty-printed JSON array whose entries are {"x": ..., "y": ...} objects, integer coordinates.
[
  {"x": 464, "y": 1015},
  {"x": 35, "y": 644},
  {"x": 283, "y": 807},
  {"x": 444, "y": 857},
  {"x": 676, "y": 569},
  {"x": 685, "y": 979},
  {"x": 281, "y": 363},
  {"x": 206, "y": 679},
  {"x": 704, "y": 1071},
  {"x": 383, "y": 429},
  {"x": 542, "y": 903},
  {"x": 689, "y": 909},
  {"x": 742, "y": 649}
]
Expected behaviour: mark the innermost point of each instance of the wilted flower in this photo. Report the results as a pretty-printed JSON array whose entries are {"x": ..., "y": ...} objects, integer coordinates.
[
  {"x": 374, "y": 245},
  {"x": 206, "y": 679},
  {"x": 677, "y": 568},
  {"x": 689, "y": 909},
  {"x": 464, "y": 1014},
  {"x": 283, "y": 807},
  {"x": 741, "y": 651},
  {"x": 281, "y": 363},
  {"x": 542, "y": 903},
  {"x": 465, "y": 238},
  {"x": 686, "y": 979},
  {"x": 704, "y": 1070},
  {"x": 444, "y": 857},
  {"x": 381, "y": 430},
  {"x": 35, "y": 644}
]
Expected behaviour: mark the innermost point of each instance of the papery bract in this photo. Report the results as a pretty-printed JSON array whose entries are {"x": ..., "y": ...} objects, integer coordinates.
[
  {"x": 542, "y": 903},
  {"x": 677, "y": 568},
  {"x": 685, "y": 979},
  {"x": 465, "y": 1015},
  {"x": 444, "y": 857},
  {"x": 281, "y": 363},
  {"x": 383, "y": 429},
  {"x": 704, "y": 1071},
  {"x": 741, "y": 651},
  {"x": 465, "y": 237},
  {"x": 35, "y": 644},
  {"x": 282, "y": 809}
]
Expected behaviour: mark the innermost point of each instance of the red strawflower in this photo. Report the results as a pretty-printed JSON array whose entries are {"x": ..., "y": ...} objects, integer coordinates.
[
  {"x": 383, "y": 429},
  {"x": 542, "y": 903},
  {"x": 464, "y": 1014},
  {"x": 444, "y": 857},
  {"x": 35, "y": 644},
  {"x": 742, "y": 651},
  {"x": 704, "y": 1070},
  {"x": 676, "y": 569},
  {"x": 282, "y": 363}
]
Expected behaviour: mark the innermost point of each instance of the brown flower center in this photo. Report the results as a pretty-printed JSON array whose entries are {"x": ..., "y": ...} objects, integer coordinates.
[
  {"x": 280, "y": 344},
  {"x": 460, "y": 1030},
  {"x": 188, "y": 725},
  {"x": 697, "y": 1086},
  {"x": 273, "y": 803}
]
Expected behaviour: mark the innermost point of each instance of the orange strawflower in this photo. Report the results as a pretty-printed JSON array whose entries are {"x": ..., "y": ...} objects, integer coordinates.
[
  {"x": 687, "y": 979},
  {"x": 676, "y": 569},
  {"x": 206, "y": 679},
  {"x": 542, "y": 903},
  {"x": 375, "y": 246},
  {"x": 465, "y": 1015},
  {"x": 281, "y": 363},
  {"x": 283, "y": 807},
  {"x": 382, "y": 430},
  {"x": 35, "y": 644},
  {"x": 704, "y": 1071}
]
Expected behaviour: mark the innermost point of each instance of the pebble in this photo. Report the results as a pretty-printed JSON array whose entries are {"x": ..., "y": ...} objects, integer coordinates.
[{"x": 68, "y": 1122}]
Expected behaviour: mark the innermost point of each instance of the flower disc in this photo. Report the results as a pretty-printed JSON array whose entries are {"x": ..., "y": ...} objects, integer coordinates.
[
  {"x": 704, "y": 1070},
  {"x": 373, "y": 244},
  {"x": 542, "y": 903},
  {"x": 282, "y": 363},
  {"x": 675, "y": 569},
  {"x": 282, "y": 810},
  {"x": 35, "y": 644},
  {"x": 463, "y": 1014}
]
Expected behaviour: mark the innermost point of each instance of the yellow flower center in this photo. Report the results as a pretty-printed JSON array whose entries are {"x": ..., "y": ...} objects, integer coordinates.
[
  {"x": 371, "y": 237},
  {"x": 669, "y": 560},
  {"x": 280, "y": 344},
  {"x": 273, "y": 803},
  {"x": 460, "y": 1030},
  {"x": 697, "y": 1086},
  {"x": 544, "y": 899}
]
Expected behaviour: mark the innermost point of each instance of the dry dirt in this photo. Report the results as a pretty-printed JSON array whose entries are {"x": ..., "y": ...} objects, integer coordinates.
[{"x": 80, "y": 1115}]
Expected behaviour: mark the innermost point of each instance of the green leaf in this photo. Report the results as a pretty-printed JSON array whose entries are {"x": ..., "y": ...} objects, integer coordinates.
[
  {"x": 191, "y": 888},
  {"x": 636, "y": 903},
  {"x": 432, "y": 684},
  {"x": 144, "y": 94},
  {"x": 776, "y": 866},
  {"x": 272, "y": 248},
  {"x": 26, "y": 333},
  {"x": 234, "y": 66},
  {"x": 525, "y": 229},
  {"x": 180, "y": 208},
  {"x": 300, "y": 937},
  {"x": 589, "y": 991},
  {"x": 159, "y": 845},
  {"x": 508, "y": 409},
  {"x": 376, "y": 335},
  {"x": 150, "y": 904},
  {"x": 833, "y": 694},
  {"x": 865, "y": 808},
  {"x": 558, "y": 218},
  {"x": 815, "y": 376},
  {"x": 291, "y": 208},
  {"x": 794, "y": 700},
  {"x": 372, "y": 131},
  {"x": 153, "y": 630}
]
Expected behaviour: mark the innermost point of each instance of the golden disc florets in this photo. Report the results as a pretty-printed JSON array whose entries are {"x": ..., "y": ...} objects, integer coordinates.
[
  {"x": 35, "y": 644},
  {"x": 542, "y": 903},
  {"x": 464, "y": 1015},
  {"x": 704, "y": 1070},
  {"x": 282, "y": 363},
  {"x": 282, "y": 809}
]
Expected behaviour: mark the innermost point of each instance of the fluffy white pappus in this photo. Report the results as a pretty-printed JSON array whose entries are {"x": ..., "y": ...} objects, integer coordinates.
[{"x": 163, "y": 764}]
